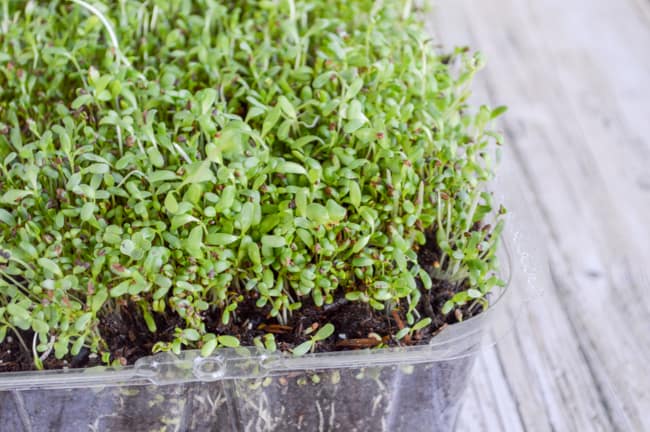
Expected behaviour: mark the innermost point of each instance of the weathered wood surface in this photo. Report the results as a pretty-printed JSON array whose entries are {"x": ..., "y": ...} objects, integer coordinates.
[{"x": 576, "y": 76}]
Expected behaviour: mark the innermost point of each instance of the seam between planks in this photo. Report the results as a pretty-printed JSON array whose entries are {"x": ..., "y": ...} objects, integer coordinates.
[
  {"x": 614, "y": 413},
  {"x": 510, "y": 390}
]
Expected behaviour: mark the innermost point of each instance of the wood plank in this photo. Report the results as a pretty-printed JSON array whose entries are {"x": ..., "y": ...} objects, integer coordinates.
[{"x": 570, "y": 70}]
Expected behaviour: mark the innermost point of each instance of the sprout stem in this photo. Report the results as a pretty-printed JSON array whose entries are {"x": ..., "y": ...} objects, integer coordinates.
[{"x": 109, "y": 29}]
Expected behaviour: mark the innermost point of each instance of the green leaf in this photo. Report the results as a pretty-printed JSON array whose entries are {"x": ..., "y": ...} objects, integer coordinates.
[
  {"x": 291, "y": 168},
  {"x": 246, "y": 216},
  {"x": 422, "y": 324},
  {"x": 355, "y": 193},
  {"x": 335, "y": 211},
  {"x": 149, "y": 320},
  {"x": 81, "y": 322},
  {"x": 226, "y": 199},
  {"x": 362, "y": 262},
  {"x": 303, "y": 348},
  {"x": 191, "y": 335},
  {"x": 355, "y": 112},
  {"x": 324, "y": 332},
  {"x": 220, "y": 239},
  {"x": 13, "y": 195},
  {"x": 253, "y": 251},
  {"x": 98, "y": 300},
  {"x": 287, "y": 107},
  {"x": 120, "y": 289},
  {"x": 269, "y": 342},
  {"x": 273, "y": 241},
  {"x": 206, "y": 98},
  {"x": 208, "y": 347},
  {"x": 60, "y": 348},
  {"x": 304, "y": 140},
  {"x": 87, "y": 211},
  {"x": 127, "y": 247},
  {"x": 270, "y": 120},
  {"x": 162, "y": 176},
  {"x": 498, "y": 111},
  {"x": 354, "y": 88},
  {"x": 50, "y": 266},
  {"x": 382, "y": 295},
  {"x": 170, "y": 203},
  {"x": 458, "y": 254},
  {"x": 77, "y": 345},
  {"x": 97, "y": 168},
  {"x": 322, "y": 79},
  {"x": 199, "y": 172},
  {"x": 402, "y": 333},
  {"x": 426, "y": 279},
  {"x": 17, "y": 311},
  {"x": 447, "y": 307},
  {"x": 194, "y": 242},
  {"x": 354, "y": 295},
  {"x": 301, "y": 201},
  {"x": 84, "y": 99},
  {"x": 40, "y": 327},
  {"x": 317, "y": 213},
  {"x": 228, "y": 341},
  {"x": 156, "y": 157},
  {"x": 183, "y": 219},
  {"x": 353, "y": 125},
  {"x": 7, "y": 218},
  {"x": 360, "y": 244},
  {"x": 284, "y": 129}
]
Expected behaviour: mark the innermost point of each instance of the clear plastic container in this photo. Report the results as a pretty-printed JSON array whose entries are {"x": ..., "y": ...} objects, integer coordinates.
[
  {"x": 410, "y": 389},
  {"x": 402, "y": 389}
]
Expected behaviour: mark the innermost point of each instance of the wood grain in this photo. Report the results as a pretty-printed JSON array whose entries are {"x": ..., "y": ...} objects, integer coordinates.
[{"x": 575, "y": 74}]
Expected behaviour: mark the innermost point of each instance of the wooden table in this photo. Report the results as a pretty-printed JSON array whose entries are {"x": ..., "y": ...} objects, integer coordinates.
[{"x": 576, "y": 76}]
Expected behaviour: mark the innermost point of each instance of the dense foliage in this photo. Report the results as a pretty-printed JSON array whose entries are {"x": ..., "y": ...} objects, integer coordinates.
[{"x": 184, "y": 156}]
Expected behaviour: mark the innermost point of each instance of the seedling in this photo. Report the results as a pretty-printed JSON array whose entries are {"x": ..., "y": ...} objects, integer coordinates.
[
  {"x": 323, "y": 333},
  {"x": 275, "y": 154},
  {"x": 410, "y": 331}
]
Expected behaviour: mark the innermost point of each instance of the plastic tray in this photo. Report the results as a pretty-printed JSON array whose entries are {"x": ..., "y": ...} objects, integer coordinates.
[{"x": 245, "y": 389}]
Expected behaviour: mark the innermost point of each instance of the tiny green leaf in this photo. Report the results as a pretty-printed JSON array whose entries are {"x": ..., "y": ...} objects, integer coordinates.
[
  {"x": 228, "y": 341},
  {"x": 303, "y": 348},
  {"x": 498, "y": 111},
  {"x": 208, "y": 347},
  {"x": 324, "y": 332},
  {"x": 273, "y": 241},
  {"x": 191, "y": 335},
  {"x": 50, "y": 266},
  {"x": 422, "y": 324},
  {"x": 402, "y": 333},
  {"x": 13, "y": 195}
]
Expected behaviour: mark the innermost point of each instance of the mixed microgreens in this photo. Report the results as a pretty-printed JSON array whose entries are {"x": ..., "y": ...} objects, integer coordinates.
[{"x": 278, "y": 150}]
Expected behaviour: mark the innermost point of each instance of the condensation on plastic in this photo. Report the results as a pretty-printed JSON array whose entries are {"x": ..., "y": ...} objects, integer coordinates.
[{"x": 411, "y": 388}]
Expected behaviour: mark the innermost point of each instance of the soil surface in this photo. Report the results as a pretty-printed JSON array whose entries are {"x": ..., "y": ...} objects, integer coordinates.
[{"x": 357, "y": 325}]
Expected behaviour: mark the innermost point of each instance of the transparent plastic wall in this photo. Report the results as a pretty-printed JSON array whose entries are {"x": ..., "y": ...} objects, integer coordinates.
[{"x": 402, "y": 389}]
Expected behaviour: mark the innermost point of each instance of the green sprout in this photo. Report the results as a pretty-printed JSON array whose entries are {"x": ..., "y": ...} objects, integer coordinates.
[
  {"x": 323, "y": 333},
  {"x": 410, "y": 331},
  {"x": 273, "y": 154}
]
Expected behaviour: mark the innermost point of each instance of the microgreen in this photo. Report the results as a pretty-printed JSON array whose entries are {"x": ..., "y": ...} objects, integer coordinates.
[
  {"x": 412, "y": 330},
  {"x": 286, "y": 152},
  {"x": 309, "y": 345}
]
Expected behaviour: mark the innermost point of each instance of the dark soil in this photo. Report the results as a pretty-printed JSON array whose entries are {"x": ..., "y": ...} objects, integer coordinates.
[{"x": 357, "y": 325}]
